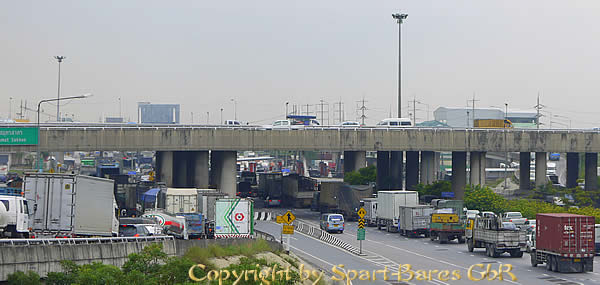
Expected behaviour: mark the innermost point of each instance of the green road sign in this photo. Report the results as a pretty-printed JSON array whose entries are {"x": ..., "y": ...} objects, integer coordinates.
[
  {"x": 18, "y": 136},
  {"x": 361, "y": 234}
]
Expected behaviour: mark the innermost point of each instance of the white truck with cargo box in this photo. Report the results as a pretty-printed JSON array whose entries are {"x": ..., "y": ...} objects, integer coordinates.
[
  {"x": 370, "y": 206},
  {"x": 181, "y": 200},
  {"x": 493, "y": 235},
  {"x": 234, "y": 218},
  {"x": 414, "y": 220},
  {"x": 14, "y": 213},
  {"x": 388, "y": 207},
  {"x": 68, "y": 205}
]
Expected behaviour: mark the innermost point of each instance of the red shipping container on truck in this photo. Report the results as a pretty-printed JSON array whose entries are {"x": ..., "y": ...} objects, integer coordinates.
[{"x": 568, "y": 235}]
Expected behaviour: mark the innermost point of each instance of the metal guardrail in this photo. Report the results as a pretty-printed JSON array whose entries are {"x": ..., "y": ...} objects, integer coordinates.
[
  {"x": 264, "y": 235},
  {"x": 74, "y": 241},
  {"x": 48, "y": 126}
]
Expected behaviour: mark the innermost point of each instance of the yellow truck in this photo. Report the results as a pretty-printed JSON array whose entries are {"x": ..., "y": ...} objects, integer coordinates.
[{"x": 492, "y": 123}]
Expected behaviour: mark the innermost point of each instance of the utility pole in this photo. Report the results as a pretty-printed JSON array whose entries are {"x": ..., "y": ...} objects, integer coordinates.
[
  {"x": 208, "y": 118},
  {"x": 539, "y": 107},
  {"x": 10, "y": 107},
  {"x": 363, "y": 108},
  {"x": 60, "y": 59},
  {"x": 399, "y": 19},
  {"x": 322, "y": 105},
  {"x": 473, "y": 110},
  {"x": 414, "y": 111}
]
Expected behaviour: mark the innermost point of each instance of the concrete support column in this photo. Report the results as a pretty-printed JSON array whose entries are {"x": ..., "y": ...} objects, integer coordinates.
[
  {"x": 572, "y": 169},
  {"x": 540, "y": 169},
  {"x": 396, "y": 170},
  {"x": 525, "y": 170},
  {"x": 354, "y": 160},
  {"x": 428, "y": 175},
  {"x": 477, "y": 168},
  {"x": 228, "y": 183},
  {"x": 198, "y": 169},
  {"x": 459, "y": 174},
  {"x": 437, "y": 156},
  {"x": 591, "y": 171},
  {"x": 216, "y": 163},
  {"x": 164, "y": 167},
  {"x": 180, "y": 169},
  {"x": 383, "y": 170},
  {"x": 412, "y": 169}
]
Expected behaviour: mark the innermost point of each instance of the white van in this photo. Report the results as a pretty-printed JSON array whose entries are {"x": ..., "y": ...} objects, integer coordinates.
[
  {"x": 232, "y": 123},
  {"x": 395, "y": 123}
]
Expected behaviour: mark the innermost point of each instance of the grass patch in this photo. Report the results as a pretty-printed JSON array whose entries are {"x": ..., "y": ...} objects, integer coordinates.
[
  {"x": 203, "y": 254},
  {"x": 495, "y": 183},
  {"x": 292, "y": 261}
]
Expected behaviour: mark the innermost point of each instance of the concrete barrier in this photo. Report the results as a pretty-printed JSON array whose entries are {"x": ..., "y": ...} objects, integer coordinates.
[{"x": 44, "y": 258}]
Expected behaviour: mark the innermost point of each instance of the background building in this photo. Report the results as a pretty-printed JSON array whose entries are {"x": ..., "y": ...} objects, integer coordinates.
[{"x": 158, "y": 113}]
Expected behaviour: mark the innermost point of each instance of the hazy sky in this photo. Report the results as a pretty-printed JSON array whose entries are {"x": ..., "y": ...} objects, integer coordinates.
[{"x": 201, "y": 54}]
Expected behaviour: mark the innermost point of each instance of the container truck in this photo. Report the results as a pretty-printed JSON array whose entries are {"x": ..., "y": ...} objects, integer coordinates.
[
  {"x": 447, "y": 221},
  {"x": 388, "y": 207},
  {"x": 207, "y": 199},
  {"x": 370, "y": 206},
  {"x": 234, "y": 218},
  {"x": 492, "y": 123},
  {"x": 68, "y": 205},
  {"x": 564, "y": 242},
  {"x": 413, "y": 221},
  {"x": 181, "y": 200},
  {"x": 495, "y": 236},
  {"x": 339, "y": 197}
]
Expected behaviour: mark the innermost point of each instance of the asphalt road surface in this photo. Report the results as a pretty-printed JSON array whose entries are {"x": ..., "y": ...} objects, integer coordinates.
[{"x": 391, "y": 249}]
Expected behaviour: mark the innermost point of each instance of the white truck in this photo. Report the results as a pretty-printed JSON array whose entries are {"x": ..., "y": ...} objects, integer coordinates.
[
  {"x": 388, "y": 207},
  {"x": 370, "y": 206},
  {"x": 67, "y": 205},
  {"x": 181, "y": 200},
  {"x": 414, "y": 220},
  {"x": 14, "y": 214},
  {"x": 234, "y": 218}
]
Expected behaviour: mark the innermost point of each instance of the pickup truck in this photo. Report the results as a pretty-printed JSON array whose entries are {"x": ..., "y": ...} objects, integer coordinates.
[{"x": 515, "y": 218}]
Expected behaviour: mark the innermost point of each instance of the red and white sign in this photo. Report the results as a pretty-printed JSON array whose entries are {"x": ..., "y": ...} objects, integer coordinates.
[{"x": 239, "y": 217}]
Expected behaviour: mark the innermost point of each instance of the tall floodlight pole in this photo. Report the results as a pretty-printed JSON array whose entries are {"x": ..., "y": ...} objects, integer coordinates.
[
  {"x": 37, "y": 157},
  {"x": 10, "y": 107},
  {"x": 234, "y": 109},
  {"x": 60, "y": 58},
  {"x": 399, "y": 19}
]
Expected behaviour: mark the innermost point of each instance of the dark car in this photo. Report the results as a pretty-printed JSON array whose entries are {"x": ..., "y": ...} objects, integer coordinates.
[{"x": 133, "y": 231}]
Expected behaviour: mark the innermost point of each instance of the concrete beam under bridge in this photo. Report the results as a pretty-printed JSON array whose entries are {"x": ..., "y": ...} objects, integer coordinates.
[
  {"x": 525, "y": 170},
  {"x": 591, "y": 171},
  {"x": 477, "y": 165},
  {"x": 192, "y": 138},
  {"x": 572, "y": 169},
  {"x": 428, "y": 167},
  {"x": 396, "y": 170},
  {"x": 412, "y": 170},
  {"x": 164, "y": 167},
  {"x": 223, "y": 171},
  {"x": 541, "y": 165},
  {"x": 383, "y": 170}
]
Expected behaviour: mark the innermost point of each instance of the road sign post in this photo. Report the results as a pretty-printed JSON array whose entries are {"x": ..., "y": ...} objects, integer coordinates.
[
  {"x": 361, "y": 227},
  {"x": 288, "y": 229}
]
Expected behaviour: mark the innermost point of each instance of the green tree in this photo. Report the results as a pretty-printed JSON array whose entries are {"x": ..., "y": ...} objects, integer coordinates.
[
  {"x": 147, "y": 261},
  {"x": 435, "y": 188},
  {"x": 21, "y": 278},
  {"x": 361, "y": 177},
  {"x": 484, "y": 199}
]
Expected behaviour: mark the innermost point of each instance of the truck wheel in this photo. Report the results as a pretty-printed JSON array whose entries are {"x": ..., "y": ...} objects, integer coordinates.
[
  {"x": 461, "y": 239},
  {"x": 555, "y": 264},
  {"x": 470, "y": 245},
  {"x": 533, "y": 259},
  {"x": 495, "y": 253},
  {"x": 443, "y": 238},
  {"x": 487, "y": 250},
  {"x": 549, "y": 262},
  {"x": 431, "y": 236},
  {"x": 516, "y": 253}
]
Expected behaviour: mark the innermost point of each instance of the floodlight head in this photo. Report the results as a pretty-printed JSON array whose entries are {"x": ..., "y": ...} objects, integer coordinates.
[
  {"x": 60, "y": 58},
  {"x": 399, "y": 17}
]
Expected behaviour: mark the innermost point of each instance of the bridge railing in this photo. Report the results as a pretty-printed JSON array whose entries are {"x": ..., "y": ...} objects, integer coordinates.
[{"x": 73, "y": 241}]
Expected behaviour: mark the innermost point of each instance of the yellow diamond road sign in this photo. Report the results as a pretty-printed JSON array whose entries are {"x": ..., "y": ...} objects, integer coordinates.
[
  {"x": 361, "y": 212},
  {"x": 288, "y": 217}
]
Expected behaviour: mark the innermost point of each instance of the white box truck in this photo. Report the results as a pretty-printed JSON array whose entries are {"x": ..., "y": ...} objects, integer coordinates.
[
  {"x": 370, "y": 206},
  {"x": 181, "y": 200},
  {"x": 67, "y": 205},
  {"x": 414, "y": 220},
  {"x": 388, "y": 207},
  {"x": 234, "y": 218},
  {"x": 206, "y": 202}
]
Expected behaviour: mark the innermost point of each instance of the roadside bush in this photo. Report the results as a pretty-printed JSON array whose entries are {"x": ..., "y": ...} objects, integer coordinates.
[
  {"x": 361, "y": 177},
  {"x": 21, "y": 278},
  {"x": 484, "y": 199}
]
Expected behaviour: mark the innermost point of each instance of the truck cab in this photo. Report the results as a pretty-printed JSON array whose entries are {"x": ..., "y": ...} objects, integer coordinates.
[{"x": 15, "y": 214}]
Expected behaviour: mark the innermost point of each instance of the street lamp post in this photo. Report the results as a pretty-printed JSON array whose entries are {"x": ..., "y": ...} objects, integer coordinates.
[
  {"x": 234, "y": 109},
  {"x": 286, "y": 109},
  {"x": 505, "y": 150},
  {"x": 10, "y": 107},
  {"x": 37, "y": 157},
  {"x": 60, "y": 59},
  {"x": 399, "y": 19},
  {"x": 221, "y": 116}
]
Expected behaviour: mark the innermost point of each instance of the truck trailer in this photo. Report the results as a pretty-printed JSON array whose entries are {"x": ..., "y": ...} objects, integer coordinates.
[
  {"x": 488, "y": 233},
  {"x": 388, "y": 207},
  {"x": 447, "y": 221},
  {"x": 234, "y": 218},
  {"x": 370, "y": 206},
  {"x": 68, "y": 205},
  {"x": 564, "y": 242},
  {"x": 413, "y": 221}
]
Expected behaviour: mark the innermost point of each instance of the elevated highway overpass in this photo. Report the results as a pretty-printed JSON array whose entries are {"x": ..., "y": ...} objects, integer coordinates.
[{"x": 183, "y": 156}]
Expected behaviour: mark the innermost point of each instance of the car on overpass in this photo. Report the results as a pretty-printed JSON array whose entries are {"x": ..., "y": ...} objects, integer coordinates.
[
  {"x": 396, "y": 123},
  {"x": 350, "y": 124}
]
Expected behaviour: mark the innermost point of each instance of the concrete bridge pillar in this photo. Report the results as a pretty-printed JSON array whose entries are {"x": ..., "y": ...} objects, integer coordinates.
[
  {"x": 164, "y": 167},
  {"x": 591, "y": 171},
  {"x": 540, "y": 168},
  {"x": 459, "y": 174},
  {"x": 383, "y": 170},
  {"x": 412, "y": 169},
  {"x": 198, "y": 169},
  {"x": 396, "y": 170},
  {"x": 354, "y": 160},
  {"x": 223, "y": 171},
  {"x": 525, "y": 170},
  {"x": 180, "y": 169},
  {"x": 216, "y": 163},
  {"x": 478, "y": 164},
  {"x": 428, "y": 167},
  {"x": 572, "y": 169}
]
